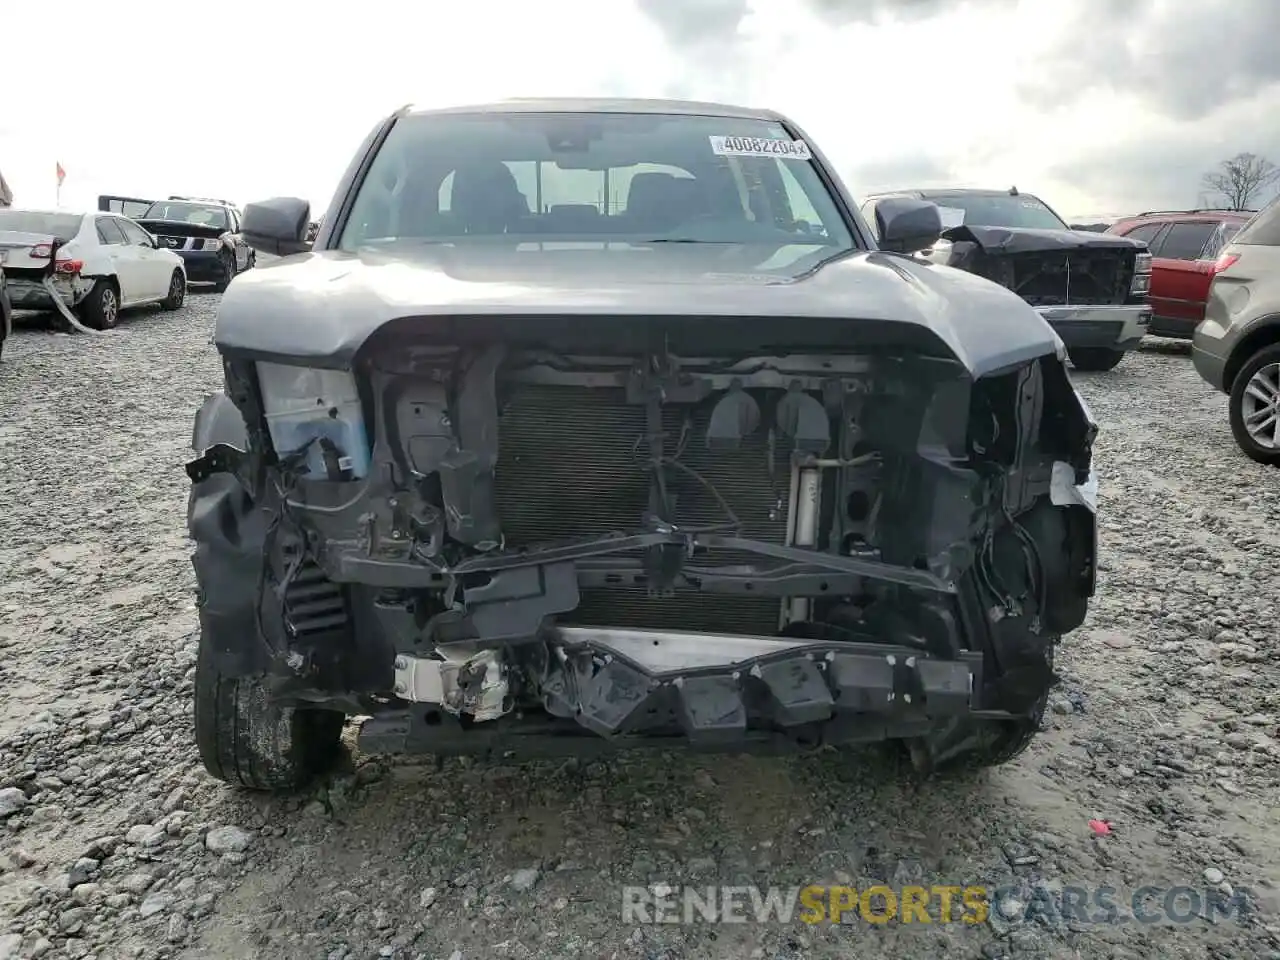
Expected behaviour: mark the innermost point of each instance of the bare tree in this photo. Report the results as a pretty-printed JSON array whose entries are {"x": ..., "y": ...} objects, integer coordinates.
[{"x": 1241, "y": 180}]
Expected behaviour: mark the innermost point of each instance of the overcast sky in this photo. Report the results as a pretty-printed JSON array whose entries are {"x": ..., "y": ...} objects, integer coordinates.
[{"x": 1099, "y": 106}]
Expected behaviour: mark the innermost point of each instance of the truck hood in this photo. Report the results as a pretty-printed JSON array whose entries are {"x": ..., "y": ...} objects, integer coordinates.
[
  {"x": 322, "y": 306},
  {"x": 1015, "y": 240},
  {"x": 180, "y": 228}
]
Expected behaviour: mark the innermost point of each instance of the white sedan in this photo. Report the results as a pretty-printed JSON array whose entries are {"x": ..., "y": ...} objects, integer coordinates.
[{"x": 96, "y": 264}]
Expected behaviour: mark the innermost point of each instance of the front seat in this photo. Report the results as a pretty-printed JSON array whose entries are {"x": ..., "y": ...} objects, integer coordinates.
[
  {"x": 486, "y": 199},
  {"x": 660, "y": 202}
]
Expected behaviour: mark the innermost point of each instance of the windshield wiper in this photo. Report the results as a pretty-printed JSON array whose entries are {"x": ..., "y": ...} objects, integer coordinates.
[{"x": 677, "y": 240}]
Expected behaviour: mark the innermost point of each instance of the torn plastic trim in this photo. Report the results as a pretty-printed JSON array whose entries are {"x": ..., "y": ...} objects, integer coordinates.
[
  {"x": 61, "y": 306},
  {"x": 1065, "y": 492}
]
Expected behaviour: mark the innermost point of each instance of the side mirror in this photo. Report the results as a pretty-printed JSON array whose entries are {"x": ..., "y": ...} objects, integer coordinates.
[
  {"x": 277, "y": 226},
  {"x": 906, "y": 224}
]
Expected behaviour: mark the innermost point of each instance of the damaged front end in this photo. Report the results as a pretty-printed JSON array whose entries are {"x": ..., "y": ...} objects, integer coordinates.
[
  {"x": 496, "y": 539},
  {"x": 1093, "y": 289}
]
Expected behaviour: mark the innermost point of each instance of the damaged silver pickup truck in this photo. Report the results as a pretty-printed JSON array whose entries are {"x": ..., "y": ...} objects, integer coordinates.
[
  {"x": 588, "y": 424},
  {"x": 1093, "y": 288}
]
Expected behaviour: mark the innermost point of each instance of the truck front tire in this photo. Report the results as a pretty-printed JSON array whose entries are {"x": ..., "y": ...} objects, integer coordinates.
[
  {"x": 1094, "y": 359},
  {"x": 248, "y": 740}
]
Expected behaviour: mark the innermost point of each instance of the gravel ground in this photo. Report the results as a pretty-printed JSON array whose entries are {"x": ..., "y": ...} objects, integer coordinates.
[{"x": 114, "y": 843}]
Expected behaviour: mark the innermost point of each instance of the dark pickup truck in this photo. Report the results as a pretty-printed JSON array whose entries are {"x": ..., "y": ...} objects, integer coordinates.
[
  {"x": 677, "y": 453},
  {"x": 1092, "y": 287}
]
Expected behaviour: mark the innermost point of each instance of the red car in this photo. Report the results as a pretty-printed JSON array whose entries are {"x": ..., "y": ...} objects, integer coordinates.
[{"x": 1184, "y": 245}]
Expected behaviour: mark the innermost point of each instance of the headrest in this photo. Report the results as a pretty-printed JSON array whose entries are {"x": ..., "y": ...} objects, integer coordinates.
[{"x": 649, "y": 188}]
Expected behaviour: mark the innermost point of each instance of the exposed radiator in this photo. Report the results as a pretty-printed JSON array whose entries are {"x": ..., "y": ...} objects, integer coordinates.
[
  {"x": 571, "y": 464},
  {"x": 1081, "y": 277}
]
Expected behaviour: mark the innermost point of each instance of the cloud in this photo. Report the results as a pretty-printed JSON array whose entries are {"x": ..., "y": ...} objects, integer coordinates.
[
  {"x": 881, "y": 11},
  {"x": 1094, "y": 105},
  {"x": 687, "y": 24},
  {"x": 1165, "y": 168},
  {"x": 1184, "y": 59},
  {"x": 906, "y": 173}
]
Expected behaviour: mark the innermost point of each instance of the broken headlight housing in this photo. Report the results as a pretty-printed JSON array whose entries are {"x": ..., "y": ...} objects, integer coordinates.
[
  {"x": 315, "y": 417},
  {"x": 1141, "y": 275}
]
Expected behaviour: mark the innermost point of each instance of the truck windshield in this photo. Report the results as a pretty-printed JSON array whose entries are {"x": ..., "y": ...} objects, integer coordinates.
[
  {"x": 592, "y": 177},
  {"x": 179, "y": 212},
  {"x": 997, "y": 210}
]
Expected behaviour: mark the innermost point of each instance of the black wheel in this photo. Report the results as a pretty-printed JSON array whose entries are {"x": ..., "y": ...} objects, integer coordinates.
[
  {"x": 101, "y": 308},
  {"x": 177, "y": 292},
  {"x": 246, "y": 739},
  {"x": 1092, "y": 359},
  {"x": 964, "y": 746},
  {"x": 1254, "y": 407},
  {"x": 228, "y": 262}
]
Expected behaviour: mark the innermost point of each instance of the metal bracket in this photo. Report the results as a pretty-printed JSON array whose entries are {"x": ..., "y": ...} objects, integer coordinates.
[
  {"x": 219, "y": 458},
  {"x": 419, "y": 680},
  {"x": 476, "y": 686}
]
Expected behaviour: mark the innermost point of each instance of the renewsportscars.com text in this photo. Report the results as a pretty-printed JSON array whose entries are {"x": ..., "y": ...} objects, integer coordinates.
[{"x": 927, "y": 905}]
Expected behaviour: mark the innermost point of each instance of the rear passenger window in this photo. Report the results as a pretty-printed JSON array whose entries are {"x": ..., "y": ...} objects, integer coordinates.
[
  {"x": 134, "y": 234},
  {"x": 1146, "y": 233},
  {"x": 1221, "y": 237},
  {"x": 1264, "y": 229},
  {"x": 1187, "y": 240},
  {"x": 108, "y": 232}
]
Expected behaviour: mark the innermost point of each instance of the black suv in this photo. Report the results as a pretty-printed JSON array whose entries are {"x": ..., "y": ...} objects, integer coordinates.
[{"x": 204, "y": 232}]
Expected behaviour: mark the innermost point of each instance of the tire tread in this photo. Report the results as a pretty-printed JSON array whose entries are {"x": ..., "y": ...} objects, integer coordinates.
[
  {"x": 243, "y": 738},
  {"x": 1095, "y": 359}
]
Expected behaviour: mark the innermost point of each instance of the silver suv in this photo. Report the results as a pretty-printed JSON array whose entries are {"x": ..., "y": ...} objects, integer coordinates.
[{"x": 1237, "y": 345}]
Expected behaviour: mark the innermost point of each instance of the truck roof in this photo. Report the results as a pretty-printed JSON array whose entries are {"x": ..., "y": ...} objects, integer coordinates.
[
  {"x": 603, "y": 105},
  {"x": 947, "y": 191}
]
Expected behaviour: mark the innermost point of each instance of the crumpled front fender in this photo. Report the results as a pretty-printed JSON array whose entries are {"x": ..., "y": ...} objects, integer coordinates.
[
  {"x": 230, "y": 535},
  {"x": 218, "y": 421}
]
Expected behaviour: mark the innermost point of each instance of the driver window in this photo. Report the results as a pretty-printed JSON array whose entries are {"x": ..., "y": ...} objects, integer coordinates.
[
  {"x": 377, "y": 209},
  {"x": 801, "y": 207}
]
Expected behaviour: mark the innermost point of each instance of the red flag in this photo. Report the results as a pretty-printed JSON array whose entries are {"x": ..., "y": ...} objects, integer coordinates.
[{"x": 62, "y": 174}]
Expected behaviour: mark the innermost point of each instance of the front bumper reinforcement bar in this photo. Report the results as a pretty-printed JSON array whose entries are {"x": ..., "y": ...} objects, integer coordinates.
[{"x": 714, "y": 690}]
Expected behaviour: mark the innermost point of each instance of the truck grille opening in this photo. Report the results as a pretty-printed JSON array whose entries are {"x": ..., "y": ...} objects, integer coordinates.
[
  {"x": 572, "y": 464},
  {"x": 1079, "y": 277},
  {"x": 313, "y": 605}
]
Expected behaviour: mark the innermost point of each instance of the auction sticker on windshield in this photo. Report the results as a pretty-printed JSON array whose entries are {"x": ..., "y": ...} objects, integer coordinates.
[{"x": 760, "y": 147}]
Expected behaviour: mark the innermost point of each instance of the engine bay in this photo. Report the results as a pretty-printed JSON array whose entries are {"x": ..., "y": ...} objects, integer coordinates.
[{"x": 523, "y": 518}]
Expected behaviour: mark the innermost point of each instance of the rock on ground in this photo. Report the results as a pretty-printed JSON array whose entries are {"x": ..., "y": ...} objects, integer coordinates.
[{"x": 114, "y": 843}]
